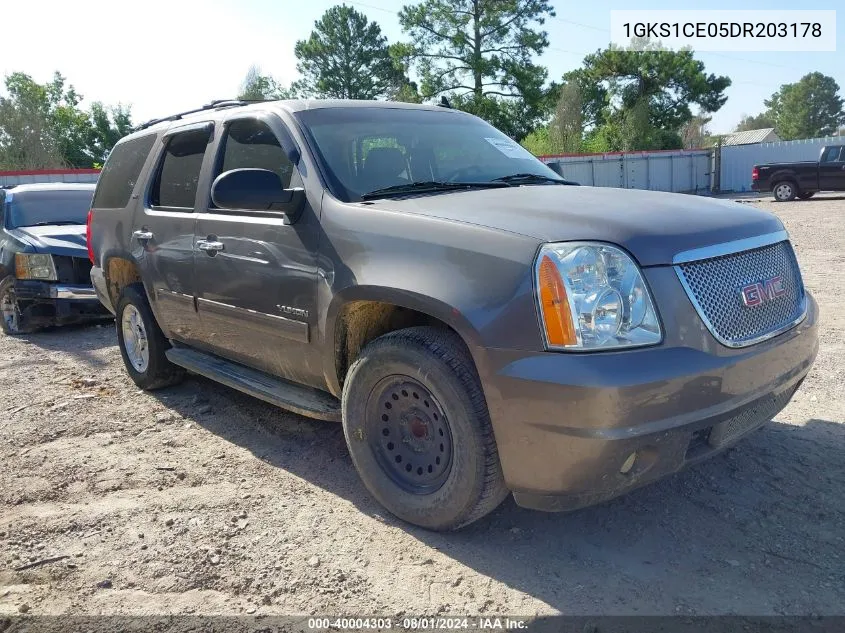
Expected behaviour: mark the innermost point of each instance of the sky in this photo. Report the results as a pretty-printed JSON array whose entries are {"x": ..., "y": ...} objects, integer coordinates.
[{"x": 163, "y": 56}]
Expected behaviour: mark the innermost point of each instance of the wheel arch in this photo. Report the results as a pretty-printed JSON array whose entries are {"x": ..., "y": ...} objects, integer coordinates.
[
  {"x": 120, "y": 271},
  {"x": 360, "y": 314}
]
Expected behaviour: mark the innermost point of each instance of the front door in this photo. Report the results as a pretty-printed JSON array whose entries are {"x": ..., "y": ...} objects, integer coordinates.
[
  {"x": 163, "y": 235},
  {"x": 256, "y": 273},
  {"x": 832, "y": 169}
]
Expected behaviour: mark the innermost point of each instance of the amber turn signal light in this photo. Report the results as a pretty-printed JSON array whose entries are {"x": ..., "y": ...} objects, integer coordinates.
[{"x": 557, "y": 318}]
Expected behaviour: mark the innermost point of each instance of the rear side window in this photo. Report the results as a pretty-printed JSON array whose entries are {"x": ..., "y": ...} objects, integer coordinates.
[
  {"x": 176, "y": 180},
  {"x": 121, "y": 172}
]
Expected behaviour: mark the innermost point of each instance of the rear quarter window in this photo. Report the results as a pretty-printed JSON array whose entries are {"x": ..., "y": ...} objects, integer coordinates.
[{"x": 121, "y": 172}]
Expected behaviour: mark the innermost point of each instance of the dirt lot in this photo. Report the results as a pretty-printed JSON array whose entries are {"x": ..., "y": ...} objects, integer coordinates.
[{"x": 197, "y": 499}]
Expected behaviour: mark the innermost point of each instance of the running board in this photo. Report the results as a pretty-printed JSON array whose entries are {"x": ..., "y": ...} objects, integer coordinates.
[{"x": 306, "y": 401}]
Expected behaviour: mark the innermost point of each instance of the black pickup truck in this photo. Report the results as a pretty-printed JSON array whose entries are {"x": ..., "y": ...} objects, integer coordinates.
[{"x": 788, "y": 181}]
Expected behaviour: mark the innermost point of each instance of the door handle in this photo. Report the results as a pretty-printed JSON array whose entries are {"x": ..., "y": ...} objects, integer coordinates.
[
  {"x": 143, "y": 236},
  {"x": 210, "y": 246}
]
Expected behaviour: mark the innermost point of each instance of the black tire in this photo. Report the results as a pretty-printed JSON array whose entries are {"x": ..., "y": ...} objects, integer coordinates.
[
  {"x": 435, "y": 372},
  {"x": 157, "y": 372},
  {"x": 806, "y": 195},
  {"x": 11, "y": 324},
  {"x": 784, "y": 191}
]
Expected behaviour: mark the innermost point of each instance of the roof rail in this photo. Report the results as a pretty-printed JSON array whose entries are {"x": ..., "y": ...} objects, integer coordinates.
[{"x": 217, "y": 104}]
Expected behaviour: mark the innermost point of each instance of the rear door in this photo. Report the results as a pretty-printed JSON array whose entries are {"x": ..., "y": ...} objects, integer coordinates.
[
  {"x": 163, "y": 235},
  {"x": 832, "y": 169},
  {"x": 256, "y": 293}
]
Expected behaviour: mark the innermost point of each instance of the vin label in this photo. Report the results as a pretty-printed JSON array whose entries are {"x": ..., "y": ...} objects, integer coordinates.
[{"x": 726, "y": 30}]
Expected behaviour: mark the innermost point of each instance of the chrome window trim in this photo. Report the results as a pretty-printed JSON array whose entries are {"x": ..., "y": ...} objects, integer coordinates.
[{"x": 729, "y": 248}]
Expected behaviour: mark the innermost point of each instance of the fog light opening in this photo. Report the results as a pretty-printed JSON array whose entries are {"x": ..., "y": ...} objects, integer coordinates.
[{"x": 628, "y": 464}]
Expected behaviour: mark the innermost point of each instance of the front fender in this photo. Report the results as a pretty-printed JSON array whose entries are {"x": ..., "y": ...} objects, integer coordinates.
[{"x": 475, "y": 279}]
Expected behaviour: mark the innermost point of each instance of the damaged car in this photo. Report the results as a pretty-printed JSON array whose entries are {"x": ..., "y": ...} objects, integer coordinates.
[{"x": 44, "y": 264}]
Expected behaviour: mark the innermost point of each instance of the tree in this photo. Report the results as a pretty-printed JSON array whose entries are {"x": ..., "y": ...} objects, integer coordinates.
[
  {"x": 643, "y": 96},
  {"x": 480, "y": 53},
  {"x": 540, "y": 143},
  {"x": 42, "y": 125},
  {"x": 694, "y": 133},
  {"x": 402, "y": 88},
  {"x": 258, "y": 87},
  {"x": 345, "y": 57},
  {"x": 809, "y": 108},
  {"x": 567, "y": 126},
  {"x": 108, "y": 125},
  {"x": 758, "y": 122}
]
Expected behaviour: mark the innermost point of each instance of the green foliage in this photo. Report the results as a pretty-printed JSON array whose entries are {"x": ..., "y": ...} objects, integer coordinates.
[
  {"x": 258, "y": 87},
  {"x": 42, "y": 125},
  {"x": 402, "y": 88},
  {"x": 694, "y": 133},
  {"x": 109, "y": 124},
  {"x": 640, "y": 99},
  {"x": 540, "y": 143},
  {"x": 758, "y": 122},
  {"x": 809, "y": 108},
  {"x": 480, "y": 53},
  {"x": 346, "y": 57},
  {"x": 567, "y": 126}
]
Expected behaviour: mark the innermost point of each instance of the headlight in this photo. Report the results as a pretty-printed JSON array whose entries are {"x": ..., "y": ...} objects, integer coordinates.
[
  {"x": 593, "y": 296},
  {"x": 30, "y": 266}
]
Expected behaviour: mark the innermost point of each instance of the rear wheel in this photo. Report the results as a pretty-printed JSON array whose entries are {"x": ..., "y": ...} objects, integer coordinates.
[
  {"x": 806, "y": 195},
  {"x": 785, "y": 191},
  {"x": 142, "y": 343},
  {"x": 421, "y": 439},
  {"x": 10, "y": 311}
]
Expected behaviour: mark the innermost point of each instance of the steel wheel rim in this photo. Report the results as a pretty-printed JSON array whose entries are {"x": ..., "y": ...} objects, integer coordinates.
[
  {"x": 783, "y": 191},
  {"x": 9, "y": 311},
  {"x": 135, "y": 341},
  {"x": 409, "y": 434}
]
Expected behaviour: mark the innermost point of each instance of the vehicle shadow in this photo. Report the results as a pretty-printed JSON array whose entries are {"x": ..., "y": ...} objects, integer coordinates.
[
  {"x": 755, "y": 530},
  {"x": 81, "y": 340},
  {"x": 824, "y": 198}
]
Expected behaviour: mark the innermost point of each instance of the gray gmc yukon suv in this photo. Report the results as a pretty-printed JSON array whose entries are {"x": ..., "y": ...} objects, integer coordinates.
[{"x": 478, "y": 325}]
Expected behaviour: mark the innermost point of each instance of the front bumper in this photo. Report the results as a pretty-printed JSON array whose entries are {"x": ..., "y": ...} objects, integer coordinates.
[
  {"x": 567, "y": 425},
  {"x": 43, "y": 303}
]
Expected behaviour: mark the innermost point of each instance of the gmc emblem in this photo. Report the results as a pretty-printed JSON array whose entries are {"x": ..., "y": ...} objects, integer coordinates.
[{"x": 766, "y": 290}]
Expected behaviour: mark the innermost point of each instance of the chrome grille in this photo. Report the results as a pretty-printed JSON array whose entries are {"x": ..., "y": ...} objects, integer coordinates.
[{"x": 714, "y": 286}]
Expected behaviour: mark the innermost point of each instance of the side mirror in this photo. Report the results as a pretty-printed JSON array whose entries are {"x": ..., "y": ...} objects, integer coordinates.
[{"x": 256, "y": 190}]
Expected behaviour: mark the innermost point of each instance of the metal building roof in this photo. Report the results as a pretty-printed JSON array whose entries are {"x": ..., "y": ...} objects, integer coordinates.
[{"x": 763, "y": 135}]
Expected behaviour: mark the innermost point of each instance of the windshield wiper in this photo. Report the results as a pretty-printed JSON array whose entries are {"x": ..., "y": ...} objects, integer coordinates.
[
  {"x": 430, "y": 185},
  {"x": 532, "y": 178}
]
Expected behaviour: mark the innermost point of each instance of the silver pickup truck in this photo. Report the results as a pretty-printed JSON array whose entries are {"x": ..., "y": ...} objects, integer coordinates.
[{"x": 478, "y": 325}]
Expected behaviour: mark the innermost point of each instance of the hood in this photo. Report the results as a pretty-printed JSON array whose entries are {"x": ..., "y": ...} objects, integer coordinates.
[
  {"x": 653, "y": 226},
  {"x": 66, "y": 239}
]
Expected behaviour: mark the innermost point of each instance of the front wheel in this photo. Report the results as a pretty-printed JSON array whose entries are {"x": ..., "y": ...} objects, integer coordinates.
[
  {"x": 10, "y": 310},
  {"x": 785, "y": 191},
  {"x": 142, "y": 343},
  {"x": 421, "y": 439}
]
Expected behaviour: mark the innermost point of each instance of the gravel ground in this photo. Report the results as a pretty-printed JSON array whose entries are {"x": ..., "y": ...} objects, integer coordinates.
[{"x": 197, "y": 499}]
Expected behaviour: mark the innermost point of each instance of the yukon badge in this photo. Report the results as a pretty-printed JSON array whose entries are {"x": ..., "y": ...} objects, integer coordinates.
[
  {"x": 757, "y": 294},
  {"x": 297, "y": 312}
]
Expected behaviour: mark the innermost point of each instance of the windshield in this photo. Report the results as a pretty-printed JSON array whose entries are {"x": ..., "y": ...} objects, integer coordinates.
[
  {"x": 367, "y": 149},
  {"x": 41, "y": 208}
]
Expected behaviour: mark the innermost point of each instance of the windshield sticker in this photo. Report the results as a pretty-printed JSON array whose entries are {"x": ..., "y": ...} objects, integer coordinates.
[{"x": 507, "y": 147}]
